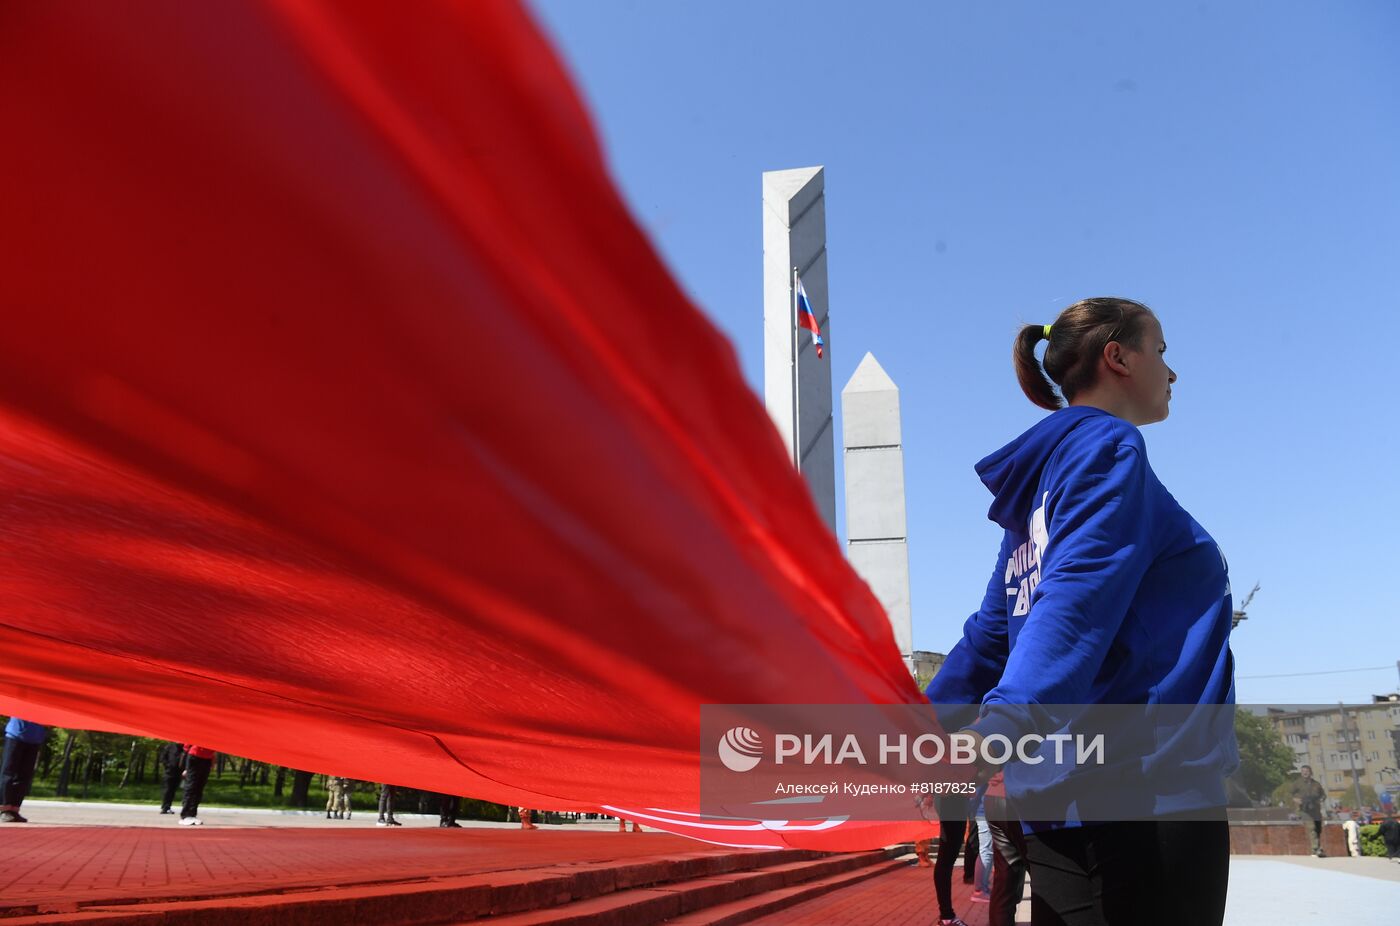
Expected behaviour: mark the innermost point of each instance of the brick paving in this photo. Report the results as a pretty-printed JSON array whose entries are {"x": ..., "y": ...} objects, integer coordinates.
[
  {"x": 61, "y": 865},
  {"x": 139, "y": 856},
  {"x": 136, "y": 855}
]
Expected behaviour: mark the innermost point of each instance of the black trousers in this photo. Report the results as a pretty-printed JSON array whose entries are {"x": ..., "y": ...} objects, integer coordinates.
[
  {"x": 172, "y": 781},
  {"x": 1008, "y": 863},
  {"x": 971, "y": 846},
  {"x": 196, "y": 774},
  {"x": 447, "y": 809},
  {"x": 1167, "y": 871},
  {"x": 17, "y": 770},
  {"x": 386, "y": 802},
  {"x": 952, "y": 824}
]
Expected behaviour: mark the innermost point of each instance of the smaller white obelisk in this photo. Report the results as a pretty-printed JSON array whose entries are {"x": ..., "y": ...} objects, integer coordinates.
[{"x": 876, "y": 527}]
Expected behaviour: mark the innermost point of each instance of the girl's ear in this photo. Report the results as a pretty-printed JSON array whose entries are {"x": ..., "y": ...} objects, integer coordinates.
[{"x": 1115, "y": 358}]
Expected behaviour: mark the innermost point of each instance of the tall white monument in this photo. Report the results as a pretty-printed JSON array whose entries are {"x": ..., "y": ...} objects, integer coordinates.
[
  {"x": 877, "y": 535},
  {"x": 796, "y": 383}
]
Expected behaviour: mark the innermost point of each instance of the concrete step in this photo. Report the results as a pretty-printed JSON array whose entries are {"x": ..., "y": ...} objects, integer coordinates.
[
  {"x": 751, "y": 908},
  {"x": 732, "y": 898},
  {"x": 631, "y": 891}
]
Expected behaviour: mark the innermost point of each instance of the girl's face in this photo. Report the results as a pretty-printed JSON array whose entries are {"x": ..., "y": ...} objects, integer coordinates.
[{"x": 1150, "y": 385}]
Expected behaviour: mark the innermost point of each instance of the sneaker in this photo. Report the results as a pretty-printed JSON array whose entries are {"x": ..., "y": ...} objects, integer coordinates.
[
  {"x": 450, "y": 824},
  {"x": 381, "y": 822},
  {"x": 979, "y": 897},
  {"x": 12, "y": 816},
  {"x": 191, "y": 821},
  {"x": 166, "y": 810},
  {"x": 392, "y": 822}
]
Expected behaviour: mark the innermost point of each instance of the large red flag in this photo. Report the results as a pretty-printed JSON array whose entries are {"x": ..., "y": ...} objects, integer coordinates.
[{"x": 348, "y": 421}]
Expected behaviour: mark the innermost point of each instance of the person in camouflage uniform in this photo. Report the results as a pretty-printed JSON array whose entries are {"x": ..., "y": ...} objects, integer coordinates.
[
  {"x": 334, "y": 788},
  {"x": 342, "y": 807},
  {"x": 1308, "y": 797},
  {"x": 332, "y": 785}
]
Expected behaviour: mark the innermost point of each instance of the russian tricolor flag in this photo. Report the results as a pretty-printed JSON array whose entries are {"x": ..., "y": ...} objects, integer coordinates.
[{"x": 806, "y": 318}]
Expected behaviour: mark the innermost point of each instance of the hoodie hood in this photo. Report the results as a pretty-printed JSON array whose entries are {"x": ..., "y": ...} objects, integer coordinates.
[{"x": 1012, "y": 473}]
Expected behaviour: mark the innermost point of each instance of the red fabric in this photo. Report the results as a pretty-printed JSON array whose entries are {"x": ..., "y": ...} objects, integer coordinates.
[
  {"x": 199, "y": 752},
  {"x": 348, "y": 421}
]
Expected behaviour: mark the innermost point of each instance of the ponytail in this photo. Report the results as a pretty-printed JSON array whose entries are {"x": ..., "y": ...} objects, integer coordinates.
[
  {"x": 1034, "y": 383},
  {"x": 1077, "y": 339}
]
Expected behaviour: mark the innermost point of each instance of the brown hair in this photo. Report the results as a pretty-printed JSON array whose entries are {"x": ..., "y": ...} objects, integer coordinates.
[{"x": 1077, "y": 339}]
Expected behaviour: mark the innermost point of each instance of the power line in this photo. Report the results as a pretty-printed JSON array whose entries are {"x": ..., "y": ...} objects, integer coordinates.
[{"x": 1327, "y": 672}]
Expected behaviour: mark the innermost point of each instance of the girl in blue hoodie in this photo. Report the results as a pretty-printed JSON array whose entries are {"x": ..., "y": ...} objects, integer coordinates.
[{"x": 1105, "y": 592}]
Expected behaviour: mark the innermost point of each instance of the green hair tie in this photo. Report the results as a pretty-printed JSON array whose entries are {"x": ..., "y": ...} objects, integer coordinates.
[{"x": 1046, "y": 332}]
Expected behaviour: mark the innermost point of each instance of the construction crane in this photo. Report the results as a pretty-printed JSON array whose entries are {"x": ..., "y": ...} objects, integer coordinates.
[{"x": 1239, "y": 614}]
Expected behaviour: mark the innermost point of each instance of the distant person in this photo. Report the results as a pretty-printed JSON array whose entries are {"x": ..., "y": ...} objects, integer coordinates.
[
  {"x": 1308, "y": 797},
  {"x": 343, "y": 796},
  {"x": 198, "y": 762},
  {"x": 1105, "y": 592},
  {"x": 386, "y": 806},
  {"x": 972, "y": 849},
  {"x": 526, "y": 818},
  {"x": 1352, "y": 829},
  {"x": 1390, "y": 835},
  {"x": 172, "y": 762},
  {"x": 447, "y": 811},
  {"x": 981, "y": 892},
  {"x": 952, "y": 822},
  {"x": 22, "y": 742}
]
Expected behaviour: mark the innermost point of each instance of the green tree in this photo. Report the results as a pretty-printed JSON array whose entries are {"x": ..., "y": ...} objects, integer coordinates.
[
  {"x": 1265, "y": 762},
  {"x": 1369, "y": 797}
]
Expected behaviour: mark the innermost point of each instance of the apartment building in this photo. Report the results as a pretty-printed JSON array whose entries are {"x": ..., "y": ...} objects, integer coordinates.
[{"x": 1361, "y": 741}]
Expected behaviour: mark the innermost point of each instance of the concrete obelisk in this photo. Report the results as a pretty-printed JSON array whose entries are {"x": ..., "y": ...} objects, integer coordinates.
[
  {"x": 877, "y": 538},
  {"x": 796, "y": 384}
]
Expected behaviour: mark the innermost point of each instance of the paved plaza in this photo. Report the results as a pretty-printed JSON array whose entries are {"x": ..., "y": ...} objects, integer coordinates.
[
  {"x": 76, "y": 853},
  {"x": 81, "y": 854}
]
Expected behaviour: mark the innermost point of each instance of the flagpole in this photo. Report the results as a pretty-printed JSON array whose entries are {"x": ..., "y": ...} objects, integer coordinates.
[{"x": 796, "y": 370}]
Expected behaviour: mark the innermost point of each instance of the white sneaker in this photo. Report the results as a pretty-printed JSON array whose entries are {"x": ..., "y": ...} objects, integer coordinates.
[{"x": 191, "y": 821}]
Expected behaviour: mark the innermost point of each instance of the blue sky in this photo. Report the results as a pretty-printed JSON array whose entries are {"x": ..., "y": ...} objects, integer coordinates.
[{"x": 1234, "y": 165}]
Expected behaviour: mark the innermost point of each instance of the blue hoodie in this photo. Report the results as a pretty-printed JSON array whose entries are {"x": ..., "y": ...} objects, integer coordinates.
[
  {"x": 26, "y": 731},
  {"x": 1105, "y": 592}
]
